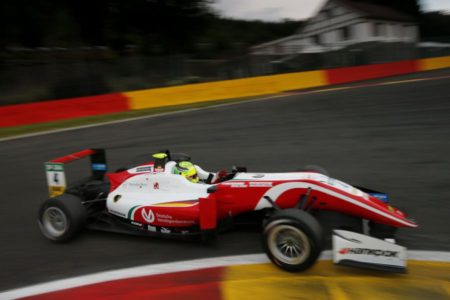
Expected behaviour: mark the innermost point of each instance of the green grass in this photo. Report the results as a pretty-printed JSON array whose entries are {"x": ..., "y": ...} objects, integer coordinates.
[{"x": 39, "y": 127}]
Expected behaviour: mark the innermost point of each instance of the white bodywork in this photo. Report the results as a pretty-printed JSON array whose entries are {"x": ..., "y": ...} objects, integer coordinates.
[
  {"x": 354, "y": 248},
  {"x": 301, "y": 179},
  {"x": 340, "y": 185},
  {"x": 150, "y": 188}
]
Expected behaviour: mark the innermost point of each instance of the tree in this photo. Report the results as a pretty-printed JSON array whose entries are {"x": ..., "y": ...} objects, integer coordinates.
[
  {"x": 435, "y": 26},
  {"x": 170, "y": 23},
  {"x": 155, "y": 27},
  {"x": 411, "y": 7}
]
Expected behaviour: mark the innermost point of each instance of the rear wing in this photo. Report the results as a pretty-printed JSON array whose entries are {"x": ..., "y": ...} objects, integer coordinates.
[{"x": 56, "y": 177}]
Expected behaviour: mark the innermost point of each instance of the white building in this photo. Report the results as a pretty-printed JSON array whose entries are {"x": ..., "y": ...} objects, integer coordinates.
[{"x": 340, "y": 23}]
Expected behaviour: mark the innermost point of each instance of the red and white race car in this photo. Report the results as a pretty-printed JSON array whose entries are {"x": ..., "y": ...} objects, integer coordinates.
[{"x": 293, "y": 208}]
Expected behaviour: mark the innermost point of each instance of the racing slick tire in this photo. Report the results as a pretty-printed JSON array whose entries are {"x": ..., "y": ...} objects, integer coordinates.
[
  {"x": 292, "y": 239},
  {"x": 62, "y": 218}
]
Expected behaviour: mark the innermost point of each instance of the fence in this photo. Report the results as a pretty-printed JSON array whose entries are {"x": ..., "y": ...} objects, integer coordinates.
[{"x": 42, "y": 74}]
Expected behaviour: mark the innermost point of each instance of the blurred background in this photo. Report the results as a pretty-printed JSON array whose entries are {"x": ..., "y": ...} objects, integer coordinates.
[{"x": 53, "y": 49}]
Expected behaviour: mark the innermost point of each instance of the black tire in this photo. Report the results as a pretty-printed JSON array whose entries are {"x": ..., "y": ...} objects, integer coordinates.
[
  {"x": 62, "y": 218},
  {"x": 316, "y": 169},
  {"x": 293, "y": 231}
]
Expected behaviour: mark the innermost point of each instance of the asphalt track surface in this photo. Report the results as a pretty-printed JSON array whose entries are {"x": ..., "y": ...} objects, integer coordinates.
[{"x": 394, "y": 138}]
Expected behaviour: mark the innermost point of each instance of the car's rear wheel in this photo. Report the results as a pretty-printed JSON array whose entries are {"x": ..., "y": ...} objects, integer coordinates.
[
  {"x": 62, "y": 218},
  {"x": 292, "y": 239}
]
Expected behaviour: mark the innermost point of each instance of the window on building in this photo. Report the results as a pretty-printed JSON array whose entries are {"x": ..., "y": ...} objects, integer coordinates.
[
  {"x": 373, "y": 29},
  {"x": 278, "y": 49},
  {"x": 397, "y": 33},
  {"x": 327, "y": 13},
  {"x": 405, "y": 31},
  {"x": 316, "y": 39},
  {"x": 345, "y": 33},
  {"x": 394, "y": 29},
  {"x": 390, "y": 30},
  {"x": 379, "y": 29}
]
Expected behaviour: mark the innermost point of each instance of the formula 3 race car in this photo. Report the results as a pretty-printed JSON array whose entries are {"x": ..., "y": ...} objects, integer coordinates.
[{"x": 292, "y": 208}]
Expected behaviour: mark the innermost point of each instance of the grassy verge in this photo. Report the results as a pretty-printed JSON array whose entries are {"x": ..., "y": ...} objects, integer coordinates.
[{"x": 39, "y": 127}]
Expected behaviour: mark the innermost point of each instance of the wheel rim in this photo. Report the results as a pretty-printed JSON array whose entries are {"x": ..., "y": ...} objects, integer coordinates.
[
  {"x": 289, "y": 244},
  {"x": 54, "y": 221}
]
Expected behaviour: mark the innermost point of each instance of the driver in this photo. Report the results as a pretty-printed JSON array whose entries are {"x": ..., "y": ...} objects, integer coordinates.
[
  {"x": 195, "y": 174},
  {"x": 187, "y": 170}
]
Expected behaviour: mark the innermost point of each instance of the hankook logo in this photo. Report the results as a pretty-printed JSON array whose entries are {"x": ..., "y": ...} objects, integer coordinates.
[
  {"x": 149, "y": 217},
  {"x": 374, "y": 252}
]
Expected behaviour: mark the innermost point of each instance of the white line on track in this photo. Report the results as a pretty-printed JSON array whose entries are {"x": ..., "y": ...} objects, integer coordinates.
[
  {"x": 283, "y": 95},
  {"x": 157, "y": 269}
]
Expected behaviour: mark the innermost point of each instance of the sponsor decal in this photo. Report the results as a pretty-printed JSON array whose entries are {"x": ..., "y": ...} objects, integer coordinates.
[
  {"x": 136, "y": 223},
  {"x": 365, "y": 251},
  {"x": 99, "y": 167},
  {"x": 56, "y": 179},
  {"x": 151, "y": 228},
  {"x": 163, "y": 216},
  {"x": 236, "y": 184},
  {"x": 56, "y": 190},
  {"x": 135, "y": 184},
  {"x": 380, "y": 196},
  {"x": 168, "y": 219},
  {"x": 148, "y": 216},
  {"x": 58, "y": 167},
  {"x": 260, "y": 184},
  {"x": 144, "y": 169},
  {"x": 156, "y": 186},
  {"x": 165, "y": 230}
]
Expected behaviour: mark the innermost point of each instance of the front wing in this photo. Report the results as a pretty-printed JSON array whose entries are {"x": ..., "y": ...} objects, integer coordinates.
[{"x": 359, "y": 250}]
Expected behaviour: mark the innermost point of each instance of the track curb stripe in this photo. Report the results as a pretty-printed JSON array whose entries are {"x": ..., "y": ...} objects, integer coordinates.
[
  {"x": 181, "y": 266},
  {"x": 55, "y": 110},
  {"x": 358, "y": 73},
  {"x": 47, "y": 111}
]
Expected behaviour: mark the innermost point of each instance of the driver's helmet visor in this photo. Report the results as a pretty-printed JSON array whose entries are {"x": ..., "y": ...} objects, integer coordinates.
[{"x": 193, "y": 178}]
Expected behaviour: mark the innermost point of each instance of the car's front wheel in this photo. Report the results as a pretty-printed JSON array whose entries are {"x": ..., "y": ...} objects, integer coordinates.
[
  {"x": 61, "y": 218},
  {"x": 292, "y": 239}
]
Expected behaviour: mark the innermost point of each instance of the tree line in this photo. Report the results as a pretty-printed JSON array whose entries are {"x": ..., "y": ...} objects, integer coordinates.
[{"x": 155, "y": 27}]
